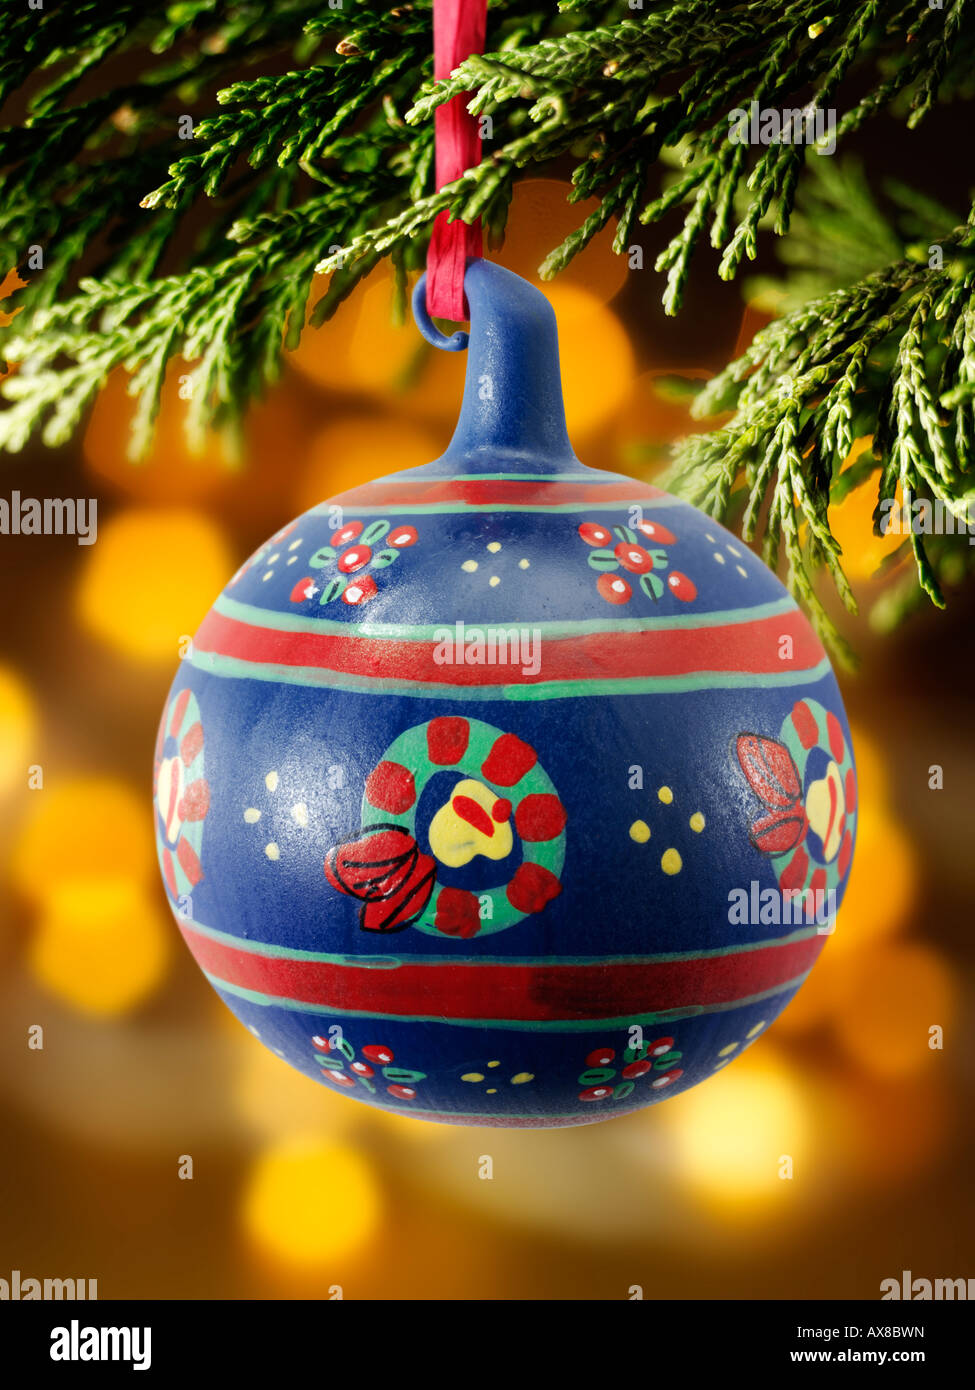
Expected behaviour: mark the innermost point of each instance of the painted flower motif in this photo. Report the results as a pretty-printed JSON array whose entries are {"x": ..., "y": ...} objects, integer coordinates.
[
  {"x": 807, "y": 787},
  {"x": 772, "y": 776},
  {"x": 633, "y": 558},
  {"x": 356, "y": 557},
  {"x": 594, "y": 534},
  {"x": 656, "y": 1060},
  {"x": 352, "y": 552},
  {"x": 639, "y": 551},
  {"x": 400, "y": 871},
  {"x": 181, "y": 793},
  {"x": 653, "y": 531},
  {"x": 385, "y": 870},
  {"x": 335, "y": 1054},
  {"x": 614, "y": 589}
]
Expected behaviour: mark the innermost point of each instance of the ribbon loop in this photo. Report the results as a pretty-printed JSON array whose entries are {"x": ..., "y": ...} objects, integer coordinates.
[{"x": 458, "y": 30}]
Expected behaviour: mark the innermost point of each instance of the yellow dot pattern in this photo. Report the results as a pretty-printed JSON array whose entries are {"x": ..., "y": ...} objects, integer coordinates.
[
  {"x": 671, "y": 862},
  {"x": 519, "y": 1079}
]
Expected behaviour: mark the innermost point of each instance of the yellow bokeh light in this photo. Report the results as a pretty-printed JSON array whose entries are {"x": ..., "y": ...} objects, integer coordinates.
[
  {"x": 371, "y": 354},
  {"x": 890, "y": 998},
  {"x": 309, "y": 1202},
  {"x": 236, "y": 472},
  {"x": 18, "y": 729},
  {"x": 102, "y": 944},
  {"x": 883, "y": 885},
  {"x": 597, "y": 360},
  {"x": 151, "y": 579},
  {"x": 873, "y": 782},
  {"x": 88, "y": 827},
  {"x": 171, "y": 469},
  {"x": 361, "y": 348},
  {"x": 732, "y": 1134},
  {"x": 356, "y": 450},
  {"x": 852, "y": 525}
]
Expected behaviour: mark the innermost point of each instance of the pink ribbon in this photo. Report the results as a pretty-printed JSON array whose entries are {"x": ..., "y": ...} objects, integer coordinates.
[{"x": 458, "y": 30}]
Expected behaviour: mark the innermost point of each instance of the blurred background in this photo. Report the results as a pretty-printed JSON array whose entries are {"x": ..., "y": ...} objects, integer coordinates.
[{"x": 295, "y": 1190}]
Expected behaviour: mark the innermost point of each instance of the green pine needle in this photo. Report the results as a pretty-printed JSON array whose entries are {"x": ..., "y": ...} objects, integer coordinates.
[{"x": 184, "y": 169}]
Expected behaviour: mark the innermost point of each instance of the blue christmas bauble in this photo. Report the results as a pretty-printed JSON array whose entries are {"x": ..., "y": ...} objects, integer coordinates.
[{"x": 505, "y": 791}]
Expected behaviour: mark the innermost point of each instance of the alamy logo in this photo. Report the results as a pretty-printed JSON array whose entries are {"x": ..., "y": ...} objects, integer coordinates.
[
  {"x": 755, "y": 906},
  {"x": 921, "y": 1290},
  {"x": 77, "y": 1343},
  {"x": 764, "y": 125},
  {"x": 18, "y": 1289},
  {"x": 924, "y": 517},
  {"x": 52, "y": 516},
  {"x": 489, "y": 646}
]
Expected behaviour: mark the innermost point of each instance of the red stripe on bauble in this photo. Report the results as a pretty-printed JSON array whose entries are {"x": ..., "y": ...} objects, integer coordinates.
[{"x": 535, "y": 992}]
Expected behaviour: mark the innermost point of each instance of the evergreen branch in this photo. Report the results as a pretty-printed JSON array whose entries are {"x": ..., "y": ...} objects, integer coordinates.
[
  {"x": 311, "y": 151},
  {"x": 891, "y": 356}
]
